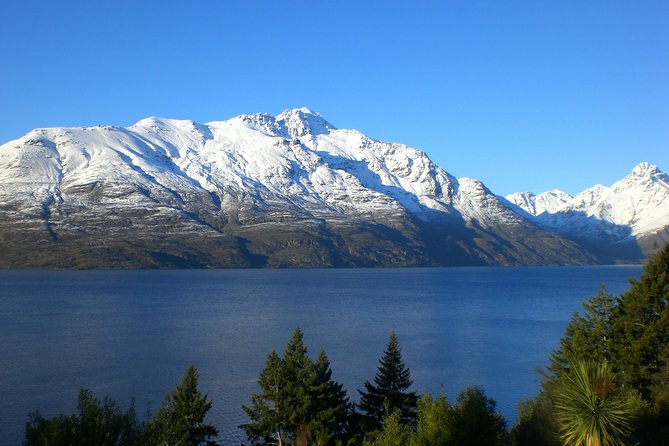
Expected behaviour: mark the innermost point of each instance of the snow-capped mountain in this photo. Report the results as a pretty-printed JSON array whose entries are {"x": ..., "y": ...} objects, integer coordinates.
[
  {"x": 633, "y": 210},
  {"x": 551, "y": 201},
  {"x": 255, "y": 190}
]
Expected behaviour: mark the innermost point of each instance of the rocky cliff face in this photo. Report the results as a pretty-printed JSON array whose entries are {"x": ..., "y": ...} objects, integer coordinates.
[{"x": 256, "y": 190}]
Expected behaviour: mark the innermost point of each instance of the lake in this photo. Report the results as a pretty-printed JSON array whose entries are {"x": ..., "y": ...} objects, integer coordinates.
[{"x": 131, "y": 334}]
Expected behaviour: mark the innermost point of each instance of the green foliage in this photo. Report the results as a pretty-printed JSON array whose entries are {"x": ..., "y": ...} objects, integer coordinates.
[
  {"x": 299, "y": 401},
  {"x": 435, "y": 421},
  {"x": 393, "y": 432},
  {"x": 329, "y": 406},
  {"x": 472, "y": 421},
  {"x": 265, "y": 411},
  {"x": 58, "y": 430},
  {"x": 180, "y": 421},
  {"x": 642, "y": 326},
  {"x": 475, "y": 420},
  {"x": 652, "y": 426},
  {"x": 588, "y": 335},
  {"x": 631, "y": 335},
  {"x": 98, "y": 423},
  {"x": 536, "y": 424},
  {"x": 389, "y": 391},
  {"x": 591, "y": 410},
  {"x": 300, "y": 404},
  {"x": 652, "y": 422},
  {"x": 294, "y": 391},
  {"x": 660, "y": 388}
]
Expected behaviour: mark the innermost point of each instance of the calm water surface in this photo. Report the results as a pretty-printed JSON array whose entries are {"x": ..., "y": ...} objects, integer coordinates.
[{"x": 131, "y": 334}]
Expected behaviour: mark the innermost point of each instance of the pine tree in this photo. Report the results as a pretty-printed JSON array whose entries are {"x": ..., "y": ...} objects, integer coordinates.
[
  {"x": 295, "y": 391},
  {"x": 629, "y": 334},
  {"x": 642, "y": 326},
  {"x": 389, "y": 391},
  {"x": 298, "y": 399},
  {"x": 180, "y": 421},
  {"x": 266, "y": 408},
  {"x": 588, "y": 336},
  {"x": 98, "y": 423},
  {"x": 328, "y": 402}
]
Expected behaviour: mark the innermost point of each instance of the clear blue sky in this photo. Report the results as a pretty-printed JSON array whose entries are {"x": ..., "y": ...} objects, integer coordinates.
[{"x": 525, "y": 95}]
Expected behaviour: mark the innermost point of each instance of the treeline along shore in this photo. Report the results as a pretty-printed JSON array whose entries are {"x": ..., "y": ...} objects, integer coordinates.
[{"x": 606, "y": 384}]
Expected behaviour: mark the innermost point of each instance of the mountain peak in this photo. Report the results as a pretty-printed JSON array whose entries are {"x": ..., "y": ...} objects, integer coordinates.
[
  {"x": 303, "y": 110},
  {"x": 644, "y": 170},
  {"x": 644, "y": 175},
  {"x": 302, "y": 121},
  {"x": 155, "y": 122},
  {"x": 550, "y": 201}
]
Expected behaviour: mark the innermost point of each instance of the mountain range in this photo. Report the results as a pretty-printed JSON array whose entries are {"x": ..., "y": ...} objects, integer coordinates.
[
  {"x": 612, "y": 221},
  {"x": 293, "y": 191}
]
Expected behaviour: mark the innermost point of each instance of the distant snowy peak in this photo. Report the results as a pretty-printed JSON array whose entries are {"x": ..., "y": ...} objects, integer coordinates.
[
  {"x": 550, "y": 201},
  {"x": 640, "y": 202},
  {"x": 646, "y": 169},
  {"x": 644, "y": 176},
  {"x": 302, "y": 121},
  {"x": 292, "y": 123}
]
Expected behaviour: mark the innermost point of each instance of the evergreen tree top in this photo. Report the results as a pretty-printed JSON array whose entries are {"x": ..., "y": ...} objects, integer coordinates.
[
  {"x": 295, "y": 349},
  {"x": 181, "y": 418},
  {"x": 393, "y": 372},
  {"x": 654, "y": 281},
  {"x": 390, "y": 389},
  {"x": 298, "y": 399}
]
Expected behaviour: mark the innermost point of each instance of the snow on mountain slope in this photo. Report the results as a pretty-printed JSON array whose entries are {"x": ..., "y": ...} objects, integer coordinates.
[
  {"x": 255, "y": 157},
  {"x": 640, "y": 200},
  {"x": 60, "y": 162},
  {"x": 635, "y": 206},
  {"x": 300, "y": 158},
  {"x": 550, "y": 201},
  {"x": 205, "y": 194}
]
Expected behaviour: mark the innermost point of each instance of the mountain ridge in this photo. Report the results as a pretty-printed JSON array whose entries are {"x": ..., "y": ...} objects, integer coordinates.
[
  {"x": 634, "y": 210},
  {"x": 254, "y": 190}
]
